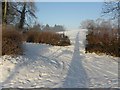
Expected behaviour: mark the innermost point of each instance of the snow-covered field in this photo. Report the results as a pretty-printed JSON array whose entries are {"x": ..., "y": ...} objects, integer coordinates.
[{"x": 59, "y": 67}]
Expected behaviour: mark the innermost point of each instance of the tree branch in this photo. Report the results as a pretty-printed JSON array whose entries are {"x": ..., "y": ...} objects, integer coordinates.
[{"x": 17, "y": 10}]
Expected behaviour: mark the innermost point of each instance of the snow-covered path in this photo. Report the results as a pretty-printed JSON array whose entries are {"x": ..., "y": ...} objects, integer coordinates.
[
  {"x": 76, "y": 75},
  {"x": 54, "y": 66}
]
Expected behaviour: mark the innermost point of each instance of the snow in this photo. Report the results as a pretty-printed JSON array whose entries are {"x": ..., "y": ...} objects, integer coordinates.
[{"x": 59, "y": 67}]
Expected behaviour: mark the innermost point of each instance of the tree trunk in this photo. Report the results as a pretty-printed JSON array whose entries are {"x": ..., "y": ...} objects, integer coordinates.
[
  {"x": 5, "y": 12},
  {"x": 22, "y": 18},
  {"x": 119, "y": 18},
  {"x": 118, "y": 27}
]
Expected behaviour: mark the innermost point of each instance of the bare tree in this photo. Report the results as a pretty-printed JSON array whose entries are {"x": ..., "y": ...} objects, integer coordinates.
[
  {"x": 26, "y": 12},
  {"x": 8, "y": 13},
  {"x": 4, "y": 9},
  {"x": 105, "y": 24},
  {"x": 113, "y": 9},
  {"x": 1, "y": 13},
  {"x": 88, "y": 24},
  {"x": 18, "y": 13},
  {"x": 46, "y": 28}
]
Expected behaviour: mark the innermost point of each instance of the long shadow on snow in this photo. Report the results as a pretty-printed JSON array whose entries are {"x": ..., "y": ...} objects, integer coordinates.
[
  {"x": 30, "y": 60},
  {"x": 76, "y": 77}
]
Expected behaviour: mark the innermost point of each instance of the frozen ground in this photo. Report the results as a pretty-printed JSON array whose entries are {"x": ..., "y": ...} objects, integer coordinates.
[{"x": 54, "y": 66}]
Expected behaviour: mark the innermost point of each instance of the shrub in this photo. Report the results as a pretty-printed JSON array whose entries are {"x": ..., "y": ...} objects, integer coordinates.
[
  {"x": 47, "y": 37},
  {"x": 104, "y": 42},
  {"x": 32, "y": 36},
  {"x": 11, "y": 42}
]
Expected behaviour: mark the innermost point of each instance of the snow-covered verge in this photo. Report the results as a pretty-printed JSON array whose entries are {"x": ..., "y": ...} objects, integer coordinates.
[{"x": 59, "y": 67}]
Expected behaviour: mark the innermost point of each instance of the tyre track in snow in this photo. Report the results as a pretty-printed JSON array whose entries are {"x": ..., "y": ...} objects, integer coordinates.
[
  {"x": 96, "y": 71},
  {"x": 76, "y": 76}
]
